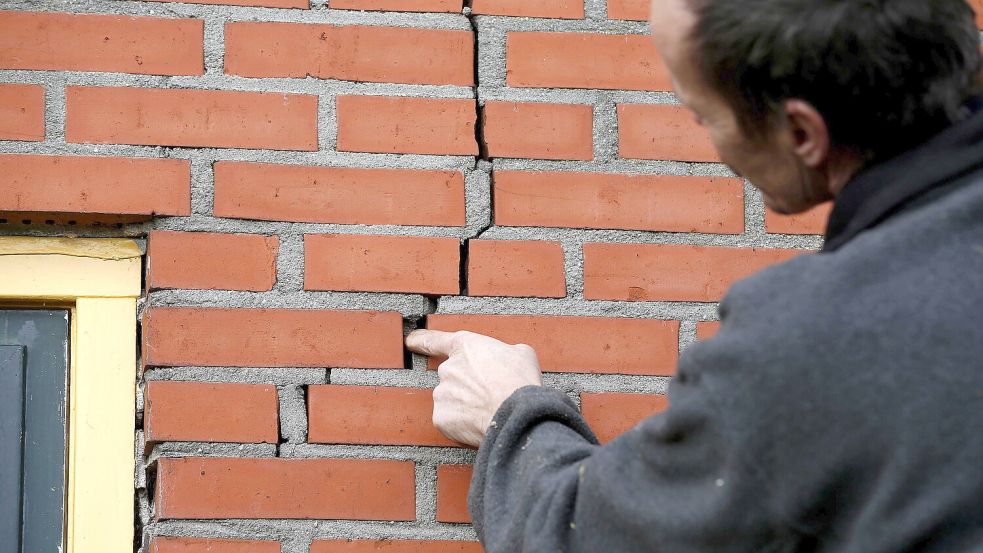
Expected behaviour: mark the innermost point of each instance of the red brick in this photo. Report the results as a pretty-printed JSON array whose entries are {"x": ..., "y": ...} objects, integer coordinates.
[
  {"x": 610, "y": 415},
  {"x": 74, "y": 184},
  {"x": 663, "y": 132},
  {"x": 707, "y": 329},
  {"x": 350, "y": 53},
  {"x": 394, "y": 546},
  {"x": 341, "y": 195},
  {"x": 373, "y": 416},
  {"x": 648, "y": 272},
  {"x": 410, "y": 264},
  {"x": 21, "y": 112},
  {"x": 211, "y": 412},
  {"x": 610, "y": 201},
  {"x": 539, "y": 131},
  {"x": 554, "y": 9},
  {"x": 175, "y": 336},
  {"x": 211, "y": 545},
  {"x": 516, "y": 268},
  {"x": 584, "y": 60},
  {"x": 257, "y": 488},
  {"x": 635, "y": 10},
  {"x": 398, "y": 125},
  {"x": 598, "y": 345},
  {"x": 452, "y": 493},
  {"x": 302, "y": 4},
  {"x": 811, "y": 222},
  {"x": 447, "y": 6},
  {"x": 75, "y": 42},
  {"x": 194, "y": 118},
  {"x": 212, "y": 261}
]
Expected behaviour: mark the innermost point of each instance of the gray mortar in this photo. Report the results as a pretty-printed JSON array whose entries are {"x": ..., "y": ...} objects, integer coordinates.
[
  {"x": 209, "y": 449},
  {"x": 418, "y": 454},
  {"x": 290, "y": 264},
  {"x": 363, "y": 301},
  {"x": 687, "y": 334},
  {"x": 248, "y": 375},
  {"x": 426, "y": 489},
  {"x": 596, "y": 383},
  {"x": 291, "y": 530},
  {"x": 574, "y": 307},
  {"x": 605, "y": 131},
  {"x": 414, "y": 378},
  {"x": 293, "y": 414},
  {"x": 803, "y": 242},
  {"x": 477, "y": 193},
  {"x": 202, "y": 185}
]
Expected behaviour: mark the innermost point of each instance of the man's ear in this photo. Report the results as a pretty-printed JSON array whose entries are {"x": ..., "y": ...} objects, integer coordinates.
[{"x": 808, "y": 132}]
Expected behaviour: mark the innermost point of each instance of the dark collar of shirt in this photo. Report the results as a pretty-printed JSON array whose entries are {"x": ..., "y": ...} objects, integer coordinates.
[{"x": 880, "y": 191}]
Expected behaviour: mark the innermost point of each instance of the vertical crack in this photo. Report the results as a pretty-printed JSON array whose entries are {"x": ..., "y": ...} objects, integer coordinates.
[{"x": 479, "y": 128}]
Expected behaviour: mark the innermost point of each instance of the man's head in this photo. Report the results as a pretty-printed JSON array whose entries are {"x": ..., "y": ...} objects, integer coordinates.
[{"x": 799, "y": 94}]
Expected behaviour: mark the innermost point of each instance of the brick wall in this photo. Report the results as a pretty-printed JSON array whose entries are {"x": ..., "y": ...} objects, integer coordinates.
[{"x": 315, "y": 181}]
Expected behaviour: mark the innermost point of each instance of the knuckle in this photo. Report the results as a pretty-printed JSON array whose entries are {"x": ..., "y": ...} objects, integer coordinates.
[
  {"x": 440, "y": 419},
  {"x": 439, "y": 394},
  {"x": 526, "y": 349}
]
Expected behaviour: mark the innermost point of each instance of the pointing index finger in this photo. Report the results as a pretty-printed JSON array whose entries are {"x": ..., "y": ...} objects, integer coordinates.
[{"x": 431, "y": 342}]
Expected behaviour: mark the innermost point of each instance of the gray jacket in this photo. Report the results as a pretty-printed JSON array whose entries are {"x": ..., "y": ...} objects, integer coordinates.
[{"x": 839, "y": 408}]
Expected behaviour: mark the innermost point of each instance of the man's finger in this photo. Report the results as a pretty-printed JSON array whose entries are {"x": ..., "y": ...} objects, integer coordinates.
[{"x": 430, "y": 342}]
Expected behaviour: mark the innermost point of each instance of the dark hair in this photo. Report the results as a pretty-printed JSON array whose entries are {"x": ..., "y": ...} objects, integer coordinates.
[{"x": 885, "y": 74}]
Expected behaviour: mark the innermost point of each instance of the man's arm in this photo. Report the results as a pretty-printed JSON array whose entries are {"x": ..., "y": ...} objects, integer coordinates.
[{"x": 674, "y": 483}]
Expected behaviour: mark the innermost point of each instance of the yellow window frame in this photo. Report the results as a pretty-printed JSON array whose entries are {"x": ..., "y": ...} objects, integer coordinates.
[{"x": 99, "y": 281}]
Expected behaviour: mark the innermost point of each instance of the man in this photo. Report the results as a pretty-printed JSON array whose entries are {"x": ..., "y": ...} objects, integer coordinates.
[{"x": 840, "y": 406}]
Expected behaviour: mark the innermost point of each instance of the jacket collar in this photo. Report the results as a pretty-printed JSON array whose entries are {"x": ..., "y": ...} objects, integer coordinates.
[{"x": 880, "y": 191}]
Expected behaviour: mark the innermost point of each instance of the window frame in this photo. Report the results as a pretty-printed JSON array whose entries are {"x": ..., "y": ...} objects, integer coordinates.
[{"x": 99, "y": 281}]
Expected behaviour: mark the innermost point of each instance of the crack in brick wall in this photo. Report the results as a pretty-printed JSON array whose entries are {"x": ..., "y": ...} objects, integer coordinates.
[{"x": 314, "y": 181}]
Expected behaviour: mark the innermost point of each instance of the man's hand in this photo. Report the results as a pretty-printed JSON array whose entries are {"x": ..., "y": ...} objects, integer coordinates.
[{"x": 480, "y": 373}]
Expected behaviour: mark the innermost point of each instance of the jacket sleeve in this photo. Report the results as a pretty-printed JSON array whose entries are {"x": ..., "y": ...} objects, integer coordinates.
[{"x": 673, "y": 483}]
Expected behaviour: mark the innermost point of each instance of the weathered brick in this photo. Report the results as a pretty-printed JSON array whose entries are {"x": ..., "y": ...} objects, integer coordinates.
[
  {"x": 211, "y": 412},
  {"x": 381, "y": 263},
  {"x": 342, "y": 195},
  {"x": 211, "y": 545},
  {"x": 516, "y": 268},
  {"x": 76, "y": 184},
  {"x": 255, "y": 488},
  {"x": 539, "y": 131},
  {"x": 650, "y": 272},
  {"x": 635, "y": 10},
  {"x": 373, "y": 416},
  {"x": 554, "y": 9},
  {"x": 212, "y": 261},
  {"x": 394, "y": 546},
  {"x": 811, "y": 222},
  {"x": 610, "y": 201},
  {"x": 195, "y": 118},
  {"x": 452, "y": 493},
  {"x": 448, "y": 6},
  {"x": 611, "y": 414},
  {"x": 175, "y": 336},
  {"x": 584, "y": 60},
  {"x": 579, "y": 344},
  {"x": 664, "y": 132},
  {"x": 706, "y": 329},
  {"x": 402, "y": 125},
  {"x": 81, "y": 42},
  {"x": 350, "y": 53},
  {"x": 21, "y": 112}
]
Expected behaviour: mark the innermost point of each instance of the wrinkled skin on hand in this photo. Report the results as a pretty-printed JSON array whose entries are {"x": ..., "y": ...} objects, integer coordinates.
[{"x": 480, "y": 373}]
